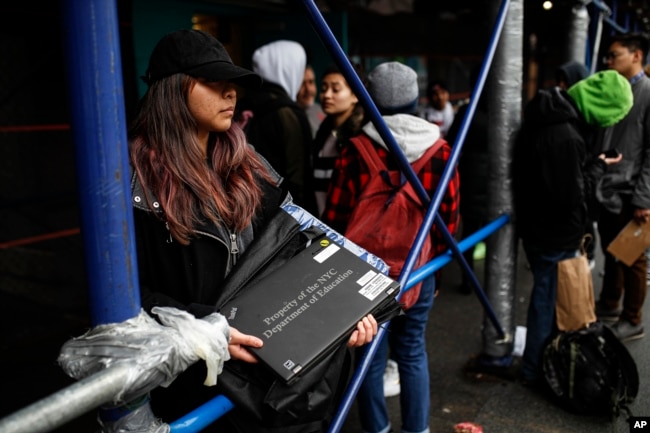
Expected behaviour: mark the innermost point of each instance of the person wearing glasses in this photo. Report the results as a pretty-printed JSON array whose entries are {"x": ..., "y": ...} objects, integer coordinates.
[{"x": 624, "y": 192}]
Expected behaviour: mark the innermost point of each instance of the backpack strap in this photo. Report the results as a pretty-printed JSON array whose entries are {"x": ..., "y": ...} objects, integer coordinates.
[
  {"x": 419, "y": 164},
  {"x": 375, "y": 165},
  {"x": 368, "y": 153}
]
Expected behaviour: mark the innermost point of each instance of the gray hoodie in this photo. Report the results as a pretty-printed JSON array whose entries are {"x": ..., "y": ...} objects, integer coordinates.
[{"x": 413, "y": 134}]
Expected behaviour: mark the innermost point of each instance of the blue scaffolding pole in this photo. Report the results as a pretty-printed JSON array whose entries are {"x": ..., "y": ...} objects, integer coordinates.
[{"x": 99, "y": 130}]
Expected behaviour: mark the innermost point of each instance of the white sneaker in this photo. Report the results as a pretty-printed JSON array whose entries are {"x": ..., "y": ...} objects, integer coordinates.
[{"x": 391, "y": 379}]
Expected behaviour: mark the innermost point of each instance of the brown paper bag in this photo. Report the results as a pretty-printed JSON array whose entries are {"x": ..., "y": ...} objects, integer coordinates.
[
  {"x": 574, "y": 304},
  {"x": 631, "y": 242}
]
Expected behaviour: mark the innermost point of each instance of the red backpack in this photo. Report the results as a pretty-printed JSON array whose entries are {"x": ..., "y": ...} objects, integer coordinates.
[{"x": 389, "y": 214}]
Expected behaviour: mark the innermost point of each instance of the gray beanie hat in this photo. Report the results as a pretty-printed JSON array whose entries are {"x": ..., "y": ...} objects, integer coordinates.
[{"x": 394, "y": 88}]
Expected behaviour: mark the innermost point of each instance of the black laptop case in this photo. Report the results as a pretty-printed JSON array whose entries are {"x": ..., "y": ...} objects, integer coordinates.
[{"x": 305, "y": 308}]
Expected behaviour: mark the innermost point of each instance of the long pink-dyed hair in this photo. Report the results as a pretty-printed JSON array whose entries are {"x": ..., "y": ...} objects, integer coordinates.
[{"x": 168, "y": 161}]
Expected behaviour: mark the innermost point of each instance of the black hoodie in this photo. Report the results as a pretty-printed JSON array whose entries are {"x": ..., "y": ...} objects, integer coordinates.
[
  {"x": 553, "y": 176},
  {"x": 571, "y": 73}
]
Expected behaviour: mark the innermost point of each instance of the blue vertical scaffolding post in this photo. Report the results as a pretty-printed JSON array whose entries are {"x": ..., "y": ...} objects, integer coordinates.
[
  {"x": 99, "y": 130},
  {"x": 355, "y": 83}
]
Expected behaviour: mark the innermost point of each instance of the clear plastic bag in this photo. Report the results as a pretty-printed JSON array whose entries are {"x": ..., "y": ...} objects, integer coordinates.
[{"x": 156, "y": 353}]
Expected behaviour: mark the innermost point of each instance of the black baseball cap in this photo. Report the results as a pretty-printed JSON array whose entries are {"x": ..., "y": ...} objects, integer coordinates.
[{"x": 198, "y": 54}]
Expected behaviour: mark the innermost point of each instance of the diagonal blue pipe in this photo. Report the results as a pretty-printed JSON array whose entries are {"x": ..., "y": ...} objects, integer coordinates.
[{"x": 440, "y": 261}]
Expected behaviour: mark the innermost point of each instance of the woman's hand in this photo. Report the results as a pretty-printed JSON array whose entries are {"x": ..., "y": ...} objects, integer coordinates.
[
  {"x": 365, "y": 332},
  {"x": 237, "y": 343}
]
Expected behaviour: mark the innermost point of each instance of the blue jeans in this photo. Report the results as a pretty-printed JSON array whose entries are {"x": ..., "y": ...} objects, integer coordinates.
[
  {"x": 540, "y": 321},
  {"x": 408, "y": 347}
]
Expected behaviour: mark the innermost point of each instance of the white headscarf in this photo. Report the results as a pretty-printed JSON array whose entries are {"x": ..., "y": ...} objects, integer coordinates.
[{"x": 283, "y": 63}]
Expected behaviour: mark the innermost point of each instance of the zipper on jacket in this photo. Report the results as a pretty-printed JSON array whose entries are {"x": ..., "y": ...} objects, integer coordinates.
[
  {"x": 170, "y": 240},
  {"x": 224, "y": 240},
  {"x": 234, "y": 290},
  {"x": 234, "y": 249}
]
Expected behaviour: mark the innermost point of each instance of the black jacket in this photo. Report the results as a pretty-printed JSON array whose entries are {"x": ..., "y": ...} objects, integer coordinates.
[
  {"x": 553, "y": 174},
  {"x": 188, "y": 277},
  {"x": 280, "y": 131}
]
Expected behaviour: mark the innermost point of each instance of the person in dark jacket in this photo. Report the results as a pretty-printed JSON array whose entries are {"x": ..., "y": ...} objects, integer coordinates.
[
  {"x": 279, "y": 128},
  {"x": 554, "y": 187},
  {"x": 201, "y": 194},
  {"x": 566, "y": 75}
]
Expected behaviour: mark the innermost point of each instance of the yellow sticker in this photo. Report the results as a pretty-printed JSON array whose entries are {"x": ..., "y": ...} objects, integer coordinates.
[{"x": 324, "y": 242}]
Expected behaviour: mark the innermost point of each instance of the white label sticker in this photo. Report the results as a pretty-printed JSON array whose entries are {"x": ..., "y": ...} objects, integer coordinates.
[
  {"x": 376, "y": 286},
  {"x": 326, "y": 253},
  {"x": 366, "y": 277}
]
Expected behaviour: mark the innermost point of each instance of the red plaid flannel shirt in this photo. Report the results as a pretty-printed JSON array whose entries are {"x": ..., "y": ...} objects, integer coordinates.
[{"x": 351, "y": 175}]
